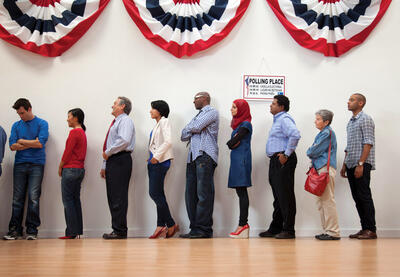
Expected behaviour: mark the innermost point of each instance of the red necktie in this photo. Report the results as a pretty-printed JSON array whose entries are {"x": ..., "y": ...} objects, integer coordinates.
[{"x": 105, "y": 141}]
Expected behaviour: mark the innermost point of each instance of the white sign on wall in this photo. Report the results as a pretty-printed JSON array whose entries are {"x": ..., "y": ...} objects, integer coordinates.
[{"x": 262, "y": 87}]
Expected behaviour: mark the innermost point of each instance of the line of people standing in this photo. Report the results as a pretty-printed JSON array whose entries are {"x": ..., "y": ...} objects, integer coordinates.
[{"x": 29, "y": 136}]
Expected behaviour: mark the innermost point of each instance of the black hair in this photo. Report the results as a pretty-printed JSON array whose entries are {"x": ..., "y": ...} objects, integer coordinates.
[
  {"x": 161, "y": 106},
  {"x": 80, "y": 115},
  {"x": 361, "y": 98},
  {"x": 22, "y": 102},
  {"x": 282, "y": 100}
]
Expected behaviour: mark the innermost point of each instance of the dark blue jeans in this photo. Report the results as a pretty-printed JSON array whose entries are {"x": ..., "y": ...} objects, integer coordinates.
[
  {"x": 157, "y": 174},
  {"x": 27, "y": 178},
  {"x": 71, "y": 180},
  {"x": 199, "y": 194}
]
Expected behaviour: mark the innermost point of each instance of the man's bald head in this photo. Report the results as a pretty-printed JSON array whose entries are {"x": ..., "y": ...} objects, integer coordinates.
[{"x": 201, "y": 99}]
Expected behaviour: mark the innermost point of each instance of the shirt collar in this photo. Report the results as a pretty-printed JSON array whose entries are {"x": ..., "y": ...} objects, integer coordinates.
[
  {"x": 278, "y": 115},
  {"x": 205, "y": 108},
  {"x": 118, "y": 118},
  {"x": 354, "y": 118}
]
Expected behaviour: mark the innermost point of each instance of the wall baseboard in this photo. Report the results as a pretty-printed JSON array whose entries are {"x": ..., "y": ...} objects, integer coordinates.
[{"x": 220, "y": 233}]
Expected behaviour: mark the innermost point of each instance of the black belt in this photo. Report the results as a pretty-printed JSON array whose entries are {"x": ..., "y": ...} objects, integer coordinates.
[{"x": 121, "y": 153}]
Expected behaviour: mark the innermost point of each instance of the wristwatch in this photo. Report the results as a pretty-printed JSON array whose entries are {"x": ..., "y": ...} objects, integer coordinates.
[{"x": 360, "y": 163}]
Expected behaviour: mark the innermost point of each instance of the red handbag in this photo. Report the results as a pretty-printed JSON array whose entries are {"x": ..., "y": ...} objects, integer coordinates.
[{"x": 316, "y": 183}]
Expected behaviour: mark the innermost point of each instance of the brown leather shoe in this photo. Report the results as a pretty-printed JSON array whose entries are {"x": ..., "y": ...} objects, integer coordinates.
[
  {"x": 355, "y": 236},
  {"x": 367, "y": 234}
]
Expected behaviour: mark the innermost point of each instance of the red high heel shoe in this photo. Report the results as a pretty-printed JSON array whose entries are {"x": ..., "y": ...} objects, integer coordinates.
[
  {"x": 242, "y": 233},
  {"x": 175, "y": 230},
  {"x": 162, "y": 233}
]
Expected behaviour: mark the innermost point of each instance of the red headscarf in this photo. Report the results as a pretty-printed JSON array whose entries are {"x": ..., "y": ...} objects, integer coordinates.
[{"x": 243, "y": 113}]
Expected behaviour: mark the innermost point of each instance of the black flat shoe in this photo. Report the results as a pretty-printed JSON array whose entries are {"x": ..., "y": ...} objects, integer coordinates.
[
  {"x": 200, "y": 236},
  {"x": 267, "y": 234},
  {"x": 113, "y": 235},
  {"x": 185, "y": 236},
  {"x": 285, "y": 235}
]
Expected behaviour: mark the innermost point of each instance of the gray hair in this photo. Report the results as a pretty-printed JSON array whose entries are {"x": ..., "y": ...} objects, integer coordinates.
[
  {"x": 326, "y": 115},
  {"x": 128, "y": 105}
]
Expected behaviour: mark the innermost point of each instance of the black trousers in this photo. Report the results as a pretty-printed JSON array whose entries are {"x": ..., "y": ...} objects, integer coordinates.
[
  {"x": 243, "y": 205},
  {"x": 361, "y": 192},
  {"x": 118, "y": 175},
  {"x": 281, "y": 179}
]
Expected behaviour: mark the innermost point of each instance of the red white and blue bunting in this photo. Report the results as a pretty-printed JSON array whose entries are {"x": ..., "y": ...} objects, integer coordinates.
[
  {"x": 47, "y": 27},
  {"x": 331, "y": 27},
  {"x": 184, "y": 27}
]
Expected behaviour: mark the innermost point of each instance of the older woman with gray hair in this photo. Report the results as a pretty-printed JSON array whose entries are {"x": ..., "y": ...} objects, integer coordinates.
[{"x": 318, "y": 153}]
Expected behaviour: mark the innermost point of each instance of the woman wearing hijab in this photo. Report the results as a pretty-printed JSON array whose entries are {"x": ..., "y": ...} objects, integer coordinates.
[
  {"x": 240, "y": 169},
  {"x": 71, "y": 170},
  {"x": 160, "y": 150}
]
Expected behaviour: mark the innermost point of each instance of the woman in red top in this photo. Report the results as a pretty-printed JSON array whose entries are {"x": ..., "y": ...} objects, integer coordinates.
[{"x": 72, "y": 171}]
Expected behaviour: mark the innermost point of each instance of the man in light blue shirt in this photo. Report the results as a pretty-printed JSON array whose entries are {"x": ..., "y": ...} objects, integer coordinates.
[
  {"x": 117, "y": 165},
  {"x": 3, "y": 139},
  {"x": 28, "y": 138},
  {"x": 202, "y": 134},
  {"x": 282, "y": 141}
]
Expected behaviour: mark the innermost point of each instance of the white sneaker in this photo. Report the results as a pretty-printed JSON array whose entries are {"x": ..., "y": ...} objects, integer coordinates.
[
  {"x": 31, "y": 237},
  {"x": 12, "y": 235}
]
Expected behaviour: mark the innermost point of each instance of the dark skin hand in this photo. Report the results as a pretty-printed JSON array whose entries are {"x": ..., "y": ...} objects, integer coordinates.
[{"x": 282, "y": 159}]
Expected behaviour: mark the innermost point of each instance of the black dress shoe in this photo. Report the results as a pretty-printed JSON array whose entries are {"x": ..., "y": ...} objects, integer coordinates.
[
  {"x": 267, "y": 234},
  {"x": 326, "y": 237},
  {"x": 200, "y": 236},
  {"x": 285, "y": 235},
  {"x": 113, "y": 235},
  {"x": 185, "y": 236}
]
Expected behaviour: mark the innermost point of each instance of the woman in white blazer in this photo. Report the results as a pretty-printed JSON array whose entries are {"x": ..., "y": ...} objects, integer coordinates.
[{"x": 160, "y": 150}]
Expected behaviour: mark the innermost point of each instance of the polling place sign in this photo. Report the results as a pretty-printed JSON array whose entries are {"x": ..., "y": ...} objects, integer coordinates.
[{"x": 262, "y": 87}]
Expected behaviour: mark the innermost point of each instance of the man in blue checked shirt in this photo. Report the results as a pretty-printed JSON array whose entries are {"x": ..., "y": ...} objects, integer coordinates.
[
  {"x": 202, "y": 134},
  {"x": 358, "y": 163},
  {"x": 282, "y": 141},
  {"x": 3, "y": 139}
]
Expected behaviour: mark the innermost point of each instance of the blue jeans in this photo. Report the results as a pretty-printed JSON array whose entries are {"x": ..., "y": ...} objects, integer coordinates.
[
  {"x": 71, "y": 180},
  {"x": 27, "y": 178},
  {"x": 199, "y": 194},
  {"x": 157, "y": 174}
]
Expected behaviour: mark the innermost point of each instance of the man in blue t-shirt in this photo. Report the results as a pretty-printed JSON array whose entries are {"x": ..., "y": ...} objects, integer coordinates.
[{"x": 28, "y": 137}]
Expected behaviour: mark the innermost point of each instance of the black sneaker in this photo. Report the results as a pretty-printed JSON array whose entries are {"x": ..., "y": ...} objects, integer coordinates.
[
  {"x": 326, "y": 237},
  {"x": 12, "y": 235}
]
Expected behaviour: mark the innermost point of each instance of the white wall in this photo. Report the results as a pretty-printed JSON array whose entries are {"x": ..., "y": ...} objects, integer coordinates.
[{"x": 114, "y": 58}]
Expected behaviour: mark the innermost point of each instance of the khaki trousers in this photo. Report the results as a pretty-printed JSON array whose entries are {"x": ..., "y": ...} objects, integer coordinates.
[{"x": 327, "y": 205}]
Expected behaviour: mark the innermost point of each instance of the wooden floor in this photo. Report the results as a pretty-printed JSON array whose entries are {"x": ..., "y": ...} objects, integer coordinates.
[{"x": 209, "y": 257}]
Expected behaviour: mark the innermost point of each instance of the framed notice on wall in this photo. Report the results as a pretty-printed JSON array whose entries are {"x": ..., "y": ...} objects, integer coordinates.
[{"x": 263, "y": 87}]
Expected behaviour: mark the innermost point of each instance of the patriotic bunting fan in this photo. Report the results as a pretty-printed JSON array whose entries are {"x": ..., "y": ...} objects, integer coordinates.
[
  {"x": 331, "y": 27},
  {"x": 184, "y": 27},
  {"x": 47, "y": 27}
]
